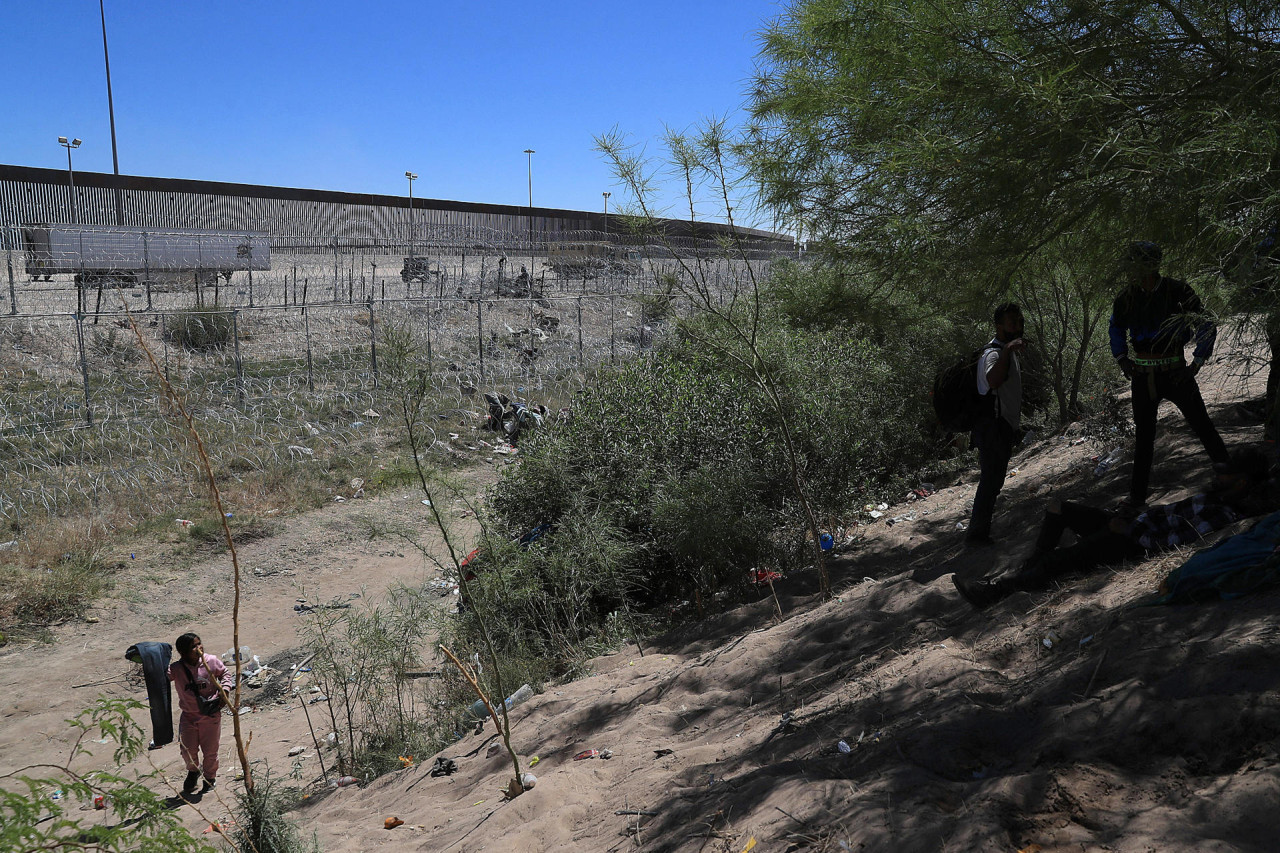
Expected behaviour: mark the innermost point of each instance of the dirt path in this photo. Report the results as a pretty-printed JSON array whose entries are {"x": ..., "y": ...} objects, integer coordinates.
[{"x": 320, "y": 556}]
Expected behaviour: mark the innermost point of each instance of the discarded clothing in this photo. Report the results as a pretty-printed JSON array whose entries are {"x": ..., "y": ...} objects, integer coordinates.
[
  {"x": 444, "y": 766},
  {"x": 154, "y": 658},
  {"x": 1236, "y": 566}
]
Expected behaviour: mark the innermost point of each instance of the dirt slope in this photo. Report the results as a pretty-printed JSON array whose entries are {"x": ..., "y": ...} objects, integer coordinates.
[{"x": 1140, "y": 729}]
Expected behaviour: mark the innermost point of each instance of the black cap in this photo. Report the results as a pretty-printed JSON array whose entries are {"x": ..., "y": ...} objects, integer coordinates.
[{"x": 1144, "y": 255}]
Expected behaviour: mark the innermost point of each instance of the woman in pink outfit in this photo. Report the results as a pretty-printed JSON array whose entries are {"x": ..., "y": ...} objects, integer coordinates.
[{"x": 196, "y": 675}]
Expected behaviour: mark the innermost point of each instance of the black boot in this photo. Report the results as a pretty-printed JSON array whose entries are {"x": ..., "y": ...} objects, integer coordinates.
[
  {"x": 189, "y": 786},
  {"x": 207, "y": 786},
  {"x": 981, "y": 593}
]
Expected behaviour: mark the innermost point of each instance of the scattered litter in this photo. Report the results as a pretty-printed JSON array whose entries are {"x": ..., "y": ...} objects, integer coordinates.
[
  {"x": 875, "y": 513},
  {"x": 99, "y": 802},
  {"x": 1086, "y": 639},
  {"x": 528, "y": 780},
  {"x": 844, "y": 747},
  {"x": 606, "y": 754},
  {"x": 91, "y": 619},
  {"x": 1105, "y": 463},
  {"x": 589, "y": 753},
  {"x": 392, "y": 822},
  {"x": 316, "y": 700},
  {"x": 343, "y": 782},
  {"x": 12, "y": 545},
  {"x": 658, "y": 753},
  {"x": 826, "y": 541},
  {"x": 297, "y": 750},
  {"x": 183, "y": 522},
  {"x": 751, "y": 845},
  {"x": 339, "y": 499},
  {"x": 960, "y": 525},
  {"x": 444, "y": 766},
  {"x": 533, "y": 762},
  {"x": 426, "y": 502},
  {"x": 56, "y": 795},
  {"x": 1013, "y": 472},
  {"x": 1051, "y": 639}
]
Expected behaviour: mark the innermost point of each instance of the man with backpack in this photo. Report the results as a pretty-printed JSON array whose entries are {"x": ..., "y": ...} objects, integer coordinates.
[
  {"x": 997, "y": 416},
  {"x": 1160, "y": 316}
]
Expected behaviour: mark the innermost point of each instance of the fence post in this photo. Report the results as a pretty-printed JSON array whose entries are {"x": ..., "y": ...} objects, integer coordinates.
[
  {"x": 146, "y": 266},
  {"x": 235, "y": 335},
  {"x": 13, "y": 294},
  {"x": 84, "y": 368},
  {"x": 430, "y": 369},
  {"x": 164, "y": 337},
  {"x": 373, "y": 343},
  {"x": 306, "y": 327},
  {"x": 480, "y": 334}
]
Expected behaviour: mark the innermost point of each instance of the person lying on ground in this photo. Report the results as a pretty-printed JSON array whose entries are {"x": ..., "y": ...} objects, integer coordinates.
[{"x": 1240, "y": 489}]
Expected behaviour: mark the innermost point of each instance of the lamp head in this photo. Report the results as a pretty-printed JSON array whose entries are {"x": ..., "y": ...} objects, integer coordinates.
[
  {"x": 410, "y": 175},
  {"x": 62, "y": 140},
  {"x": 75, "y": 143}
]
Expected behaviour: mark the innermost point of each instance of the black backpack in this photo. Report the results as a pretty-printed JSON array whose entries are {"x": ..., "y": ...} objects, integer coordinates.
[{"x": 956, "y": 400}]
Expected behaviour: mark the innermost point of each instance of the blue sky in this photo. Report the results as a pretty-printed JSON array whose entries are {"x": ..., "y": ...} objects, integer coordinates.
[{"x": 347, "y": 96}]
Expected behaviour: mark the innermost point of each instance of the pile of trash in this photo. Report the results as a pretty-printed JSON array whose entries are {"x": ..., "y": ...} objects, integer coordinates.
[{"x": 511, "y": 417}]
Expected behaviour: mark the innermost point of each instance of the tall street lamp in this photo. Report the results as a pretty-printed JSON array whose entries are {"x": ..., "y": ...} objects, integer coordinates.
[
  {"x": 111, "y": 112},
  {"x": 606, "y": 214},
  {"x": 71, "y": 175},
  {"x": 528, "y": 153},
  {"x": 412, "y": 177}
]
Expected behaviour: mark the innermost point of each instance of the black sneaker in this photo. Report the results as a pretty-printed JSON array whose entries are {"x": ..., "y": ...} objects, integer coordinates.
[
  {"x": 207, "y": 786},
  {"x": 980, "y": 593},
  {"x": 189, "y": 786}
]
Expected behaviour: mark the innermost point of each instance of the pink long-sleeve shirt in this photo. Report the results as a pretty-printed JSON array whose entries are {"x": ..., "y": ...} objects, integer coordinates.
[{"x": 205, "y": 674}]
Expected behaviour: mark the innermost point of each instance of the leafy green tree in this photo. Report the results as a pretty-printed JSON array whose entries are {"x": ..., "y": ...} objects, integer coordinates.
[{"x": 942, "y": 142}]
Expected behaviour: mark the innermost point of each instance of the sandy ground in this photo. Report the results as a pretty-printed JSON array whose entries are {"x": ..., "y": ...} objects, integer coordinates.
[{"x": 1133, "y": 729}]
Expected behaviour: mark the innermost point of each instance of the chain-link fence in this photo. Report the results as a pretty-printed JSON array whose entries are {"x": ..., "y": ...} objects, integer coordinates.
[{"x": 76, "y": 369}]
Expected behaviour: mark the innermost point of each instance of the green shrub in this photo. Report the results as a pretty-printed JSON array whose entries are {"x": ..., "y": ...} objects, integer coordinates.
[{"x": 200, "y": 328}]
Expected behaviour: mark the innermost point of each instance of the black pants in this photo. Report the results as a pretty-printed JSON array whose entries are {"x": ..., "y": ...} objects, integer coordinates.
[
  {"x": 1179, "y": 387},
  {"x": 1096, "y": 546},
  {"x": 994, "y": 439}
]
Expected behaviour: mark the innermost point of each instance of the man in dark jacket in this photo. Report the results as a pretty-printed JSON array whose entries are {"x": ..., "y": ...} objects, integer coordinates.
[{"x": 1160, "y": 316}]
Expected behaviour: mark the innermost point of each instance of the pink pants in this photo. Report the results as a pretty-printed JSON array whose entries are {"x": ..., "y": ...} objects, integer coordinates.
[{"x": 198, "y": 733}]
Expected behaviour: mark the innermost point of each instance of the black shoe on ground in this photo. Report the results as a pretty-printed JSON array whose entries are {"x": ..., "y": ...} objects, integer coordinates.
[
  {"x": 207, "y": 786},
  {"x": 189, "y": 786},
  {"x": 979, "y": 593}
]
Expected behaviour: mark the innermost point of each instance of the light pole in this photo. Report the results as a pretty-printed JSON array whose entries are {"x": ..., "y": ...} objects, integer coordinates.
[
  {"x": 111, "y": 112},
  {"x": 606, "y": 214},
  {"x": 71, "y": 175},
  {"x": 412, "y": 177},
  {"x": 528, "y": 153}
]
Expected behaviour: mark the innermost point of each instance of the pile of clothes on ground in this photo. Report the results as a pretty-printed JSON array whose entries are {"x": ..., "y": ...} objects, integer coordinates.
[{"x": 510, "y": 417}]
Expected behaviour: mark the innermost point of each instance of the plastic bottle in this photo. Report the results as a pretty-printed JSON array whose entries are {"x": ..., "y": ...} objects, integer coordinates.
[
  {"x": 343, "y": 782},
  {"x": 1105, "y": 463},
  {"x": 478, "y": 711}
]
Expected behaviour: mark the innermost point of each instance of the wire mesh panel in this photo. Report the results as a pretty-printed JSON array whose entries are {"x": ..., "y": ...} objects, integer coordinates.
[{"x": 41, "y": 381}]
